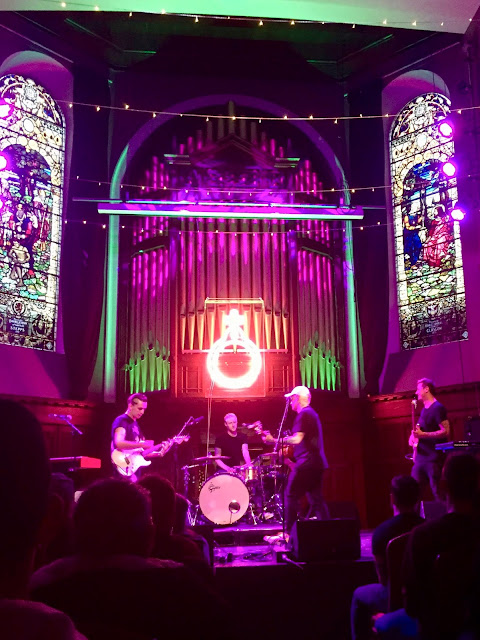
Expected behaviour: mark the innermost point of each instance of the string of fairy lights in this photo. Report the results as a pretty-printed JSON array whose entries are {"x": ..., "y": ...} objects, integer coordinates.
[
  {"x": 163, "y": 233},
  {"x": 256, "y": 22},
  {"x": 207, "y": 117}
]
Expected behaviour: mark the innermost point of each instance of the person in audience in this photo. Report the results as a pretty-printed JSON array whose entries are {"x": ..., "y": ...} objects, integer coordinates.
[
  {"x": 180, "y": 526},
  {"x": 24, "y": 501},
  {"x": 458, "y": 531},
  {"x": 110, "y": 587},
  {"x": 437, "y": 604},
  {"x": 371, "y": 599},
  {"x": 60, "y": 514},
  {"x": 168, "y": 545}
]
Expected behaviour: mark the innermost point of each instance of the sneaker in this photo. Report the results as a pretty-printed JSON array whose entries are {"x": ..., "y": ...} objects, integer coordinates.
[
  {"x": 278, "y": 539},
  {"x": 271, "y": 539}
]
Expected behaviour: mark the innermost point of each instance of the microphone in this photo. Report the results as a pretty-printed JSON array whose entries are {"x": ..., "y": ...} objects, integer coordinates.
[
  {"x": 415, "y": 400},
  {"x": 59, "y": 416},
  {"x": 197, "y": 420}
]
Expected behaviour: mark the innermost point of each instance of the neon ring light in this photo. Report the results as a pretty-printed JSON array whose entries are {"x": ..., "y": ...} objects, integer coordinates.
[{"x": 235, "y": 337}]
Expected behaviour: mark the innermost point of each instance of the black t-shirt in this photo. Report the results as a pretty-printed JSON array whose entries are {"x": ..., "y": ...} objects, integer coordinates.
[
  {"x": 310, "y": 448},
  {"x": 453, "y": 532},
  {"x": 430, "y": 420},
  {"x": 231, "y": 447},
  {"x": 391, "y": 528},
  {"x": 132, "y": 430}
]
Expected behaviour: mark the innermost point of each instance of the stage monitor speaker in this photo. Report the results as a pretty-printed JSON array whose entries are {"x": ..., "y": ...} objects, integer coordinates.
[
  {"x": 431, "y": 509},
  {"x": 319, "y": 540}
]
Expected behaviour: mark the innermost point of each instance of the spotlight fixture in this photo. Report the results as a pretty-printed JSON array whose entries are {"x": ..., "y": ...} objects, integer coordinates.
[
  {"x": 457, "y": 213},
  {"x": 445, "y": 128},
  {"x": 449, "y": 169}
]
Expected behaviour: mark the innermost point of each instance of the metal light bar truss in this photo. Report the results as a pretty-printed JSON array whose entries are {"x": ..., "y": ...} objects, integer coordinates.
[{"x": 243, "y": 210}]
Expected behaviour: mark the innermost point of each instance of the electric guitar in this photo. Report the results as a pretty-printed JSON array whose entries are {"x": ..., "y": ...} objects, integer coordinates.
[
  {"x": 413, "y": 442},
  {"x": 129, "y": 460},
  {"x": 286, "y": 452}
]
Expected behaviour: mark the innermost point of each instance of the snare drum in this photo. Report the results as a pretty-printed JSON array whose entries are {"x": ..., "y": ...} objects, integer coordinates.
[
  {"x": 224, "y": 498},
  {"x": 248, "y": 473}
]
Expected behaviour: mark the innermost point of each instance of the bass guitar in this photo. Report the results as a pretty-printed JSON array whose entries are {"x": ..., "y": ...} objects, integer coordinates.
[
  {"x": 413, "y": 440},
  {"x": 129, "y": 460}
]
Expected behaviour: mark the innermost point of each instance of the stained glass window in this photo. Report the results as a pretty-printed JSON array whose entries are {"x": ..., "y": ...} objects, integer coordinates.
[
  {"x": 32, "y": 143},
  {"x": 428, "y": 252}
]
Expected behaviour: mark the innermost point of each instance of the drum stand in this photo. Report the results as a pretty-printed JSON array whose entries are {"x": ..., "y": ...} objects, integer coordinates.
[
  {"x": 192, "y": 514},
  {"x": 252, "y": 514}
]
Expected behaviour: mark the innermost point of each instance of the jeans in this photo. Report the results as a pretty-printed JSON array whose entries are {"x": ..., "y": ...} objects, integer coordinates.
[
  {"x": 424, "y": 471},
  {"x": 366, "y": 602},
  {"x": 397, "y": 625},
  {"x": 305, "y": 479}
]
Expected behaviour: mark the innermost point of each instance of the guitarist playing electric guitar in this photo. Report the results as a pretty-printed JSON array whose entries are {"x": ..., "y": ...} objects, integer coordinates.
[{"x": 126, "y": 433}]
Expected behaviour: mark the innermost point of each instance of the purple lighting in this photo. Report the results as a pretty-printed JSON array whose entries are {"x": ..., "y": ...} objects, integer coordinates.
[
  {"x": 3, "y": 162},
  {"x": 457, "y": 213},
  {"x": 5, "y": 108},
  {"x": 449, "y": 169},
  {"x": 445, "y": 129}
]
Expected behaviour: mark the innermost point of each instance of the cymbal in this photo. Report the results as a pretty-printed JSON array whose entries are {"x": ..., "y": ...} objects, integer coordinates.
[
  {"x": 270, "y": 453},
  {"x": 207, "y": 458}
]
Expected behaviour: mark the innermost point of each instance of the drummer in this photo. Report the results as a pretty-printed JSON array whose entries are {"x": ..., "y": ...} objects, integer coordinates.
[{"x": 232, "y": 444}]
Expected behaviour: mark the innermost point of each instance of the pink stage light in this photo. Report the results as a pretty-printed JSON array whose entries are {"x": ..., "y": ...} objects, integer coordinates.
[
  {"x": 457, "y": 213},
  {"x": 5, "y": 108},
  {"x": 446, "y": 129},
  {"x": 3, "y": 162},
  {"x": 449, "y": 169}
]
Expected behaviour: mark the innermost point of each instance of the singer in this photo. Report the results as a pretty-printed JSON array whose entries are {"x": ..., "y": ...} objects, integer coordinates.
[
  {"x": 432, "y": 428},
  {"x": 232, "y": 444},
  {"x": 306, "y": 477}
]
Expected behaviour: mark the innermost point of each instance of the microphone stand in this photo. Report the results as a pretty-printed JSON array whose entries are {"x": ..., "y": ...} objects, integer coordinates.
[
  {"x": 74, "y": 431},
  {"x": 175, "y": 454},
  {"x": 414, "y": 406}
]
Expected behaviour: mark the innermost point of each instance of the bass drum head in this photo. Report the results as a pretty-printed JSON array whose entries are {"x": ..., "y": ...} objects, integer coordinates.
[{"x": 224, "y": 499}]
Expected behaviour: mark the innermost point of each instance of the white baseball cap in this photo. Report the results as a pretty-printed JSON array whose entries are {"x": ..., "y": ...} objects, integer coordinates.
[{"x": 303, "y": 392}]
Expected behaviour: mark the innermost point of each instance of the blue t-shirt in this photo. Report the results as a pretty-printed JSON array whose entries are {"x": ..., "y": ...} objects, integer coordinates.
[
  {"x": 132, "y": 430},
  {"x": 429, "y": 421}
]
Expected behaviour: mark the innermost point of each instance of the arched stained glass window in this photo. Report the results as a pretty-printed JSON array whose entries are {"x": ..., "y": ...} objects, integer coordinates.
[
  {"x": 428, "y": 252},
  {"x": 32, "y": 143}
]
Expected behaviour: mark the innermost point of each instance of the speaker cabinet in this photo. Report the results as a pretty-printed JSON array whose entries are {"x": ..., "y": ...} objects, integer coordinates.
[{"x": 318, "y": 540}]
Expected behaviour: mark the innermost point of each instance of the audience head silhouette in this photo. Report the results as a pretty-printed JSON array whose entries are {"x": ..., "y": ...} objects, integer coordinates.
[
  {"x": 113, "y": 517},
  {"x": 405, "y": 492},
  {"x": 461, "y": 475},
  {"x": 162, "y": 495}
]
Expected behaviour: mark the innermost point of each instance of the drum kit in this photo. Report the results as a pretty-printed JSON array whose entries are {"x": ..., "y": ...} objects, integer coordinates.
[{"x": 252, "y": 492}]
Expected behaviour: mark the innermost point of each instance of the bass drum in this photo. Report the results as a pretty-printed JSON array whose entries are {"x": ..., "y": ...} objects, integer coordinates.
[{"x": 224, "y": 498}]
